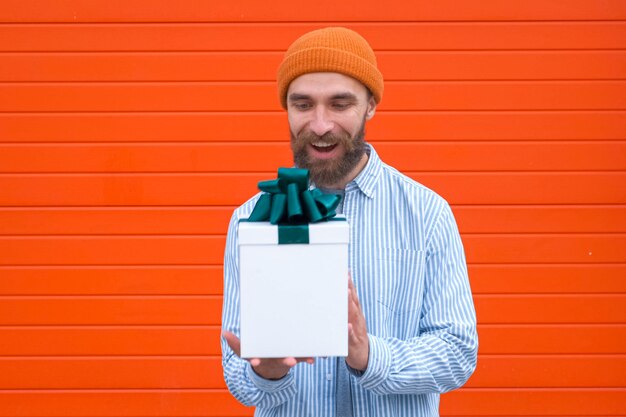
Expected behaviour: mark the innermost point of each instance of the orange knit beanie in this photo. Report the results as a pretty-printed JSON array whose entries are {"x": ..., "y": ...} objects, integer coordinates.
[{"x": 332, "y": 49}]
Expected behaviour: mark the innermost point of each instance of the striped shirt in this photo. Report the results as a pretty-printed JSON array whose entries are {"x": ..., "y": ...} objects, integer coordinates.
[{"x": 408, "y": 266}]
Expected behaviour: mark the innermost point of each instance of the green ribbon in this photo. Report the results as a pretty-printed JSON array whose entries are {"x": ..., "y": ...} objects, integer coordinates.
[{"x": 288, "y": 202}]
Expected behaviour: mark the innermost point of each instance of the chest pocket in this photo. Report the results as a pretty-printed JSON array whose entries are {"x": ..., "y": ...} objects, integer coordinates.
[{"x": 401, "y": 295}]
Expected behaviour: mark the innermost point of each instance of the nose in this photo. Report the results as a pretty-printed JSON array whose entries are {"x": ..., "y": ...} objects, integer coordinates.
[{"x": 321, "y": 123}]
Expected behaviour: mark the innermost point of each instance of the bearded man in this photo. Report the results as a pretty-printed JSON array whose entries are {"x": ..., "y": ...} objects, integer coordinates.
[{"x": 412, "y": 325}]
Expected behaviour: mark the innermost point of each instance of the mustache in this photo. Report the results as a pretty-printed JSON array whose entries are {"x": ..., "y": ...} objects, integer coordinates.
[{"x": 332, "y": 138}]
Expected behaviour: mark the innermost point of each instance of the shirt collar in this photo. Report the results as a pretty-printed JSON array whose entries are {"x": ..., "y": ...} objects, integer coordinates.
[{"x": 367, "y": 180}]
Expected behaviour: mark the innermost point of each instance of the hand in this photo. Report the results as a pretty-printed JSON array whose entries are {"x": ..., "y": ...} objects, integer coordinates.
[
  {"x": 268, "y": 368},
  {"x": 358, "y": 342}
]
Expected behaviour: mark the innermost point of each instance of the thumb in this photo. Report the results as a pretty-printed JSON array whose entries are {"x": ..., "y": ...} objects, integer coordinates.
[{"x": 233, "y": 341}]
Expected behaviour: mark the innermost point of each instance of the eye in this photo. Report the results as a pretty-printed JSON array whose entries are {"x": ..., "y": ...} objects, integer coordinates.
[
  {"x": 340, "y": 105},
  {"x": 301, "y": 105}
]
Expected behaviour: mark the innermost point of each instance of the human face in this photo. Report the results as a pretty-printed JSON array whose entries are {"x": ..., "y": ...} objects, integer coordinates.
[{"x": 327, "y": 114}]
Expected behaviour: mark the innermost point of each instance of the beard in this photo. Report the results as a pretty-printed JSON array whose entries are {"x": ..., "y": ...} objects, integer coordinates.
[{"x": 326, "y": 172}]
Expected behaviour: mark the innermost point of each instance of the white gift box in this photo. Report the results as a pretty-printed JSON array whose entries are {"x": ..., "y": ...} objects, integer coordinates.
[{"x": 294, "y": 297}]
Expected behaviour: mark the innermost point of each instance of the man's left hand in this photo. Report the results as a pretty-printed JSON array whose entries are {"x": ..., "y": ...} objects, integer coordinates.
[{"x": 358, "y": 342}]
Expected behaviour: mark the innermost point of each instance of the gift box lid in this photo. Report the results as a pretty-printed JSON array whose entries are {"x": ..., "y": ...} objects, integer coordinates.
[{"x": 335, "y": 230}]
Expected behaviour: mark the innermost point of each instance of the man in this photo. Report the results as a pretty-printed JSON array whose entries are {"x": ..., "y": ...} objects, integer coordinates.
[{"x": 412, "y": 326}]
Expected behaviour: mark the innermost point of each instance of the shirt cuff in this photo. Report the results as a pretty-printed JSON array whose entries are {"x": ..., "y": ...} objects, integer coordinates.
[
  {"x": 353, "y": 371},
  {"x": 378, "y": 365},
  {"x": 269, "y": 385}
]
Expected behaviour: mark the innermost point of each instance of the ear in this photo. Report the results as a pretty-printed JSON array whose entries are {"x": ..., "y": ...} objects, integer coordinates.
[{"x": 371, "y": 108}]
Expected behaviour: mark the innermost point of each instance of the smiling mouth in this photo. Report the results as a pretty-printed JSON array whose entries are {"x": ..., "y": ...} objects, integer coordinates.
[{"x": 323, "y": 146}]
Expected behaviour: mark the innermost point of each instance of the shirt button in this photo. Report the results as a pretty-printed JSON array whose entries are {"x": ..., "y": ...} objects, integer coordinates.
[{"x": 329, "y": 377}]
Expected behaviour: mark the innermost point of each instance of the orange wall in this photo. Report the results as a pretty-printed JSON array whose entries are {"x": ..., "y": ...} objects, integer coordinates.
[{"x": 129, "y": 130}]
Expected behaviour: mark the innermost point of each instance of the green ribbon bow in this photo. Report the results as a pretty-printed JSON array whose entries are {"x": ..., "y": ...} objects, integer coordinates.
[{"x": 288, "y": 200}]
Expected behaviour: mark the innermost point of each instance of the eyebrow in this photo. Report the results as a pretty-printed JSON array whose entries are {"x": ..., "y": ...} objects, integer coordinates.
[
  {"x": 344, "y": 96},
  {"x": 338, "y": 96},
  {"x": 298, "y": 96}
]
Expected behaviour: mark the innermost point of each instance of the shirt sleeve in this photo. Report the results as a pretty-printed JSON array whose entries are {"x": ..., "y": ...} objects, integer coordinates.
[
  {"x": 443, "y": 355},
  {"x": 245, "y": 385}
]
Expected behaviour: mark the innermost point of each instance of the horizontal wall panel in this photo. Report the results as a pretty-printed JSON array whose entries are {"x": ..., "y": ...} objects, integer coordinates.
[
  {"x": 171, "y": 280},
  {"x": 531, "y": 248},
  {"x": 111, "y": 310},
  {"x": 504, "y": 156},
  {"x": 218, "y": 403},
  {"x": 547, "y": 278},
  {"x": 277, "y": 36},
  {"x": 547, "y": 95},
  {"x": 214, "y": 220},
  {"x": 235, "y": 189},
  {"x": 205, "y": 340},
  {"x": 206, "y": 372},
  {"x": 500, "y": 65},
  {"x": 139, "y": 97},
  {"x": 232, "y": 157},
  {"x": 135, "y": 340},
  {"x": 537, "y": 219},
  {"x": 114, "y": 373},
  {"x": 127, "y": 190},
  {"x": 102, "y": 67},
  {"x": 530, "y": 402},
  {"x": 123, "y": 403},
  {"x": 254, "y": 96},
  {"x": 130, "y": 220},
  {"x": 262, "y": 66},
  {"x": 554, "y": 371},
  {"x": 238, "y": 127},
  {"x": 551, "y": 339},
  {"x": 123, "y": 127},
  {"x": 550, "y": 309},
  {"x": 206, "y": 310},
  {"x": 105, "y": 280},
  {"x": 109, "y": 250},
  {"x": 250, "y": 11},
  {"x": 209, "y": 250},
  {"x": 156, "y": 157},
  {"x": 527, "y": 188}
]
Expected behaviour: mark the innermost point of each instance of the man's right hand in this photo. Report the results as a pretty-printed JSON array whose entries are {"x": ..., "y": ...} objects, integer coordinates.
[{"x": 268, "y": 368}]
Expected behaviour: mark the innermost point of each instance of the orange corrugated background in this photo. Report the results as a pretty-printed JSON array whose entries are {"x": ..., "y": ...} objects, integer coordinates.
[{"x": 129, "y": 130}]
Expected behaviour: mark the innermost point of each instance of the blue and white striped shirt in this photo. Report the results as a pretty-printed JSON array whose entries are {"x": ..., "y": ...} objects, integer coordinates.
[{"x": 408, "y": 266}]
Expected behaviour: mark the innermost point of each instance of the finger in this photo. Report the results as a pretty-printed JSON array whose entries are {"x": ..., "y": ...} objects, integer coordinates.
[
  {"x": 233, "y": 341},
  {"x": 354, "y": 308},
  {"x": 356, "y": 320},
  {"x": 351, "y": 334},
  {"x": 352, "y": 292},
  {"x": 356, "y": 299},
  {"x": 310, "y": 361},
  {"x": 353, "y": 339},
  {"x": 254, "y": 362},
  {"x": 290, "y": 362}
]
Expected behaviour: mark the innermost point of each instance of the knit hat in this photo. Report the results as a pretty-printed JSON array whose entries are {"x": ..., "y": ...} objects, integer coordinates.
[{"x": 332, "y": 49}]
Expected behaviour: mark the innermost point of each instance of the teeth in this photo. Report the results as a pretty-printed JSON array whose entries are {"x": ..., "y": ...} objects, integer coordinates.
[{"x": 322, "y": 144}]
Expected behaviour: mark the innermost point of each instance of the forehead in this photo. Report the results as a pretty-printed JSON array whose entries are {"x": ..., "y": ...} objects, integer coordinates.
[{"x": 326, "y": 84}]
